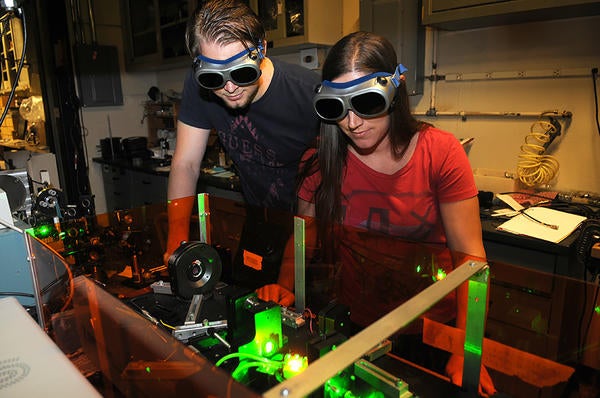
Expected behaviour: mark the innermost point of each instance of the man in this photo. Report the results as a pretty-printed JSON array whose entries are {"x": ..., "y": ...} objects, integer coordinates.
[{"x": 260, "y": 108}]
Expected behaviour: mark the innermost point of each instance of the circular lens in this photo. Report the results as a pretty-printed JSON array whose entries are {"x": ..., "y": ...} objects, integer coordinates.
[
  {"x": 196, "y": 270},
  {"x": 210, "y": 80},
  {"x": 244, "y": 75},
  {"x": 369, "y": 104},
  {"x": 329, "y": 108}
]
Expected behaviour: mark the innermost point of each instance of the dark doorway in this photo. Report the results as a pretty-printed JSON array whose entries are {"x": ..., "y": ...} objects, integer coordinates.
[{"x": 48, "y": 24}]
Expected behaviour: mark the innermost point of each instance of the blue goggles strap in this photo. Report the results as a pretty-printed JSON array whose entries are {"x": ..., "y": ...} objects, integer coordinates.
[
  {"x": 258, "y": 49},
  {"x": 400, "y": 70}
]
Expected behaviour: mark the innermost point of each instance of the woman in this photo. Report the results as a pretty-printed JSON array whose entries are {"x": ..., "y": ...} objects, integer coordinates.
[{"x": 377, "y": 167}]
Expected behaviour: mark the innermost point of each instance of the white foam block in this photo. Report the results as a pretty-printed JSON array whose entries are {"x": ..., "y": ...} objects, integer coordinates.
[
  {"x": 5, "y": 213},
  {"x": 32, "y": 364}
]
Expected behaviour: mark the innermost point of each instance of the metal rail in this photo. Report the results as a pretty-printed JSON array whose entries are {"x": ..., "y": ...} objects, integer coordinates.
[{"x": 347, "y": 353}]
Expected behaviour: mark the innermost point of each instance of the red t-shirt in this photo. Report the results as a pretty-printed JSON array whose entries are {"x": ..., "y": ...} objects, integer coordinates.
[
  {"x": 377, "y": 275},
  {"x": 405, "y": 204}
]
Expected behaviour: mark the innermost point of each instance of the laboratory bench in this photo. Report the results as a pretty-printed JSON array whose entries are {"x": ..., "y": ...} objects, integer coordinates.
[
  {"x": 129, "y": 184},
  {"x": 537, "y": 302}
]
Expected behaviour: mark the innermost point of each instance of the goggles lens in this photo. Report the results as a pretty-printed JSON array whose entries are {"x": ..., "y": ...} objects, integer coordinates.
[
  {"x": 242, "y": 69},
  {"x": 242, "y": 76},
  {"x": 329, "y": 108},
  {"x": 368, "y": 96},
  {"x": 369, "y": 103},
  {"x": 245, "y": 74}
]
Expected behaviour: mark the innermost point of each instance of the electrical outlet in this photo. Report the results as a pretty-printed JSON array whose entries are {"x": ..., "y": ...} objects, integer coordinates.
[{"x": 309, "y": 58}]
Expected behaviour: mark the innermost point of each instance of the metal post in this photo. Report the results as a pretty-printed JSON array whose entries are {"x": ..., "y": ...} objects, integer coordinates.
[
  {"x": 474, "y": 330},
  {"x": 299, "y": 264},
  {"x": 204, "y": 218}
]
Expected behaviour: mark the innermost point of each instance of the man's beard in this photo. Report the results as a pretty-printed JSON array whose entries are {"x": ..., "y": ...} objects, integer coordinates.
[{"x": 247, "y": 99}]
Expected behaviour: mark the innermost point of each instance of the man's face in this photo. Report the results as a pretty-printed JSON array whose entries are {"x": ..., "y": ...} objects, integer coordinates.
[{"x": 234, "y": 96}]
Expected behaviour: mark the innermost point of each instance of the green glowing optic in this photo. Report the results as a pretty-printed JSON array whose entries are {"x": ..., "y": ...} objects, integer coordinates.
[
  {"x": 419, "y": 269},
  {"x": 597, "y": 309},
  {"x": 293, "y": 365},
  {"x": 269, "y": 347},
  {"x": 441, "y": 274},
  {"x": 148, "y": 370},
  {"x": 43, "y": 231}
]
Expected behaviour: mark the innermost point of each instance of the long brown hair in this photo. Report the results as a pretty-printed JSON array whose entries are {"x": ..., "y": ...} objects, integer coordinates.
[{"x": 363, "y": 52}]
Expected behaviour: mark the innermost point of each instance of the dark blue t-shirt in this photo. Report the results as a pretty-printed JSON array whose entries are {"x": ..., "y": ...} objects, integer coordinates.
[{"x": 266, "y": 140}]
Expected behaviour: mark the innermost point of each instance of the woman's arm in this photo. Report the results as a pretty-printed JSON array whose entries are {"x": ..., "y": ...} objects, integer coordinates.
[
  {"x": 282, "y": 291},
  {"x": 464, "y": 235}
]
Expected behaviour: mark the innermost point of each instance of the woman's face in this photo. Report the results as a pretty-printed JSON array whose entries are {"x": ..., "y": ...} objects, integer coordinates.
[{"x": 367, "y": 134}]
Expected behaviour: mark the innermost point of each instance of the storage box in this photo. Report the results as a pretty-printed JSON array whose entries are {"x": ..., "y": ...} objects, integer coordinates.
[{"x": 496, "y": 181}]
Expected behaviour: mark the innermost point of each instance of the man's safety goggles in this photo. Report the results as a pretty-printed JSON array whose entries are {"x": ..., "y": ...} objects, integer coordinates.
[
  {"x": 368, "y": 96},
  {"x": 242, "y": 69}
]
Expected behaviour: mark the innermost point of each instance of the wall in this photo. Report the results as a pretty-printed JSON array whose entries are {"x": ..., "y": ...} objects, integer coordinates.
[
  {"x": 560, "y": 45},
  {"x": 569, "y": 46},
  {"x": 564, "y": 45},
  {"x": 125, "y": 120}
]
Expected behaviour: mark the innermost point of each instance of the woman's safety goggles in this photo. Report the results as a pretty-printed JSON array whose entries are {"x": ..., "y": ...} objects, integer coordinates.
[
  {"x": 368, "y": 96},
  {"x": 242, "y": 69}
]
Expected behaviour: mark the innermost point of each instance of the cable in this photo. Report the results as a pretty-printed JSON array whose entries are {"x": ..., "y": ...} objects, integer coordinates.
[
  {"x": 594, "y": 77},
  {"x": 267, "y": 367},
  {"x": 17, "y": 294},
  {"x": 166, "y": 325},
  {"x": 586, "y": 330},
  {"x": 21, "y": 63},
  {"x": 242, "y": 355},
  {"x": 588, "y": 236},
  {"x": 534, "y": 168}
]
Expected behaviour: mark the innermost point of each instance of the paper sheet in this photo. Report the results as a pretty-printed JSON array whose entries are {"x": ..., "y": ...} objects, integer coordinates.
[{"x": 522, "y": 225}]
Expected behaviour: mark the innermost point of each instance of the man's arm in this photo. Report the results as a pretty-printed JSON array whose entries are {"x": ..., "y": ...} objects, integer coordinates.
[
  {"x": 183, "y": 178},
  {"x": 187, "y": 159}
]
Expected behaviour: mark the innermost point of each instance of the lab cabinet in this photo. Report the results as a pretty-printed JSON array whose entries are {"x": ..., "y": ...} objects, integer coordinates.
[
  {"x": 126, "y": 188},
  {"x": 306, "y": 23},
  {"x": 398, "y": 21},
  {"x": 155, "y": 31},
  {"x": 147, "y": 188},
  {"x": 468, "y": 14},
  {"x": 528, "y": 296},
  {"x": 116, "y": 187}
]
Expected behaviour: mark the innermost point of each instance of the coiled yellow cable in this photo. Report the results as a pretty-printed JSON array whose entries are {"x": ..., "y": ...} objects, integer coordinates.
[{"x": 533, "y": 167}]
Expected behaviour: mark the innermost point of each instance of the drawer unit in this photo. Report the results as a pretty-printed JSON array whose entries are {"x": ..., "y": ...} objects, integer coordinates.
[
  {"x": 147, "y": 189},
  {"x": 126, "y": 188},
  {"x": 117, "y": 181}
]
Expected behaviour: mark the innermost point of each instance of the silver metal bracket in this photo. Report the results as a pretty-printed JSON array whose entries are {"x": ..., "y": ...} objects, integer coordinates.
[
  {"x": 390, "y": 385},
  {"x": 188, "y": 331}
]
